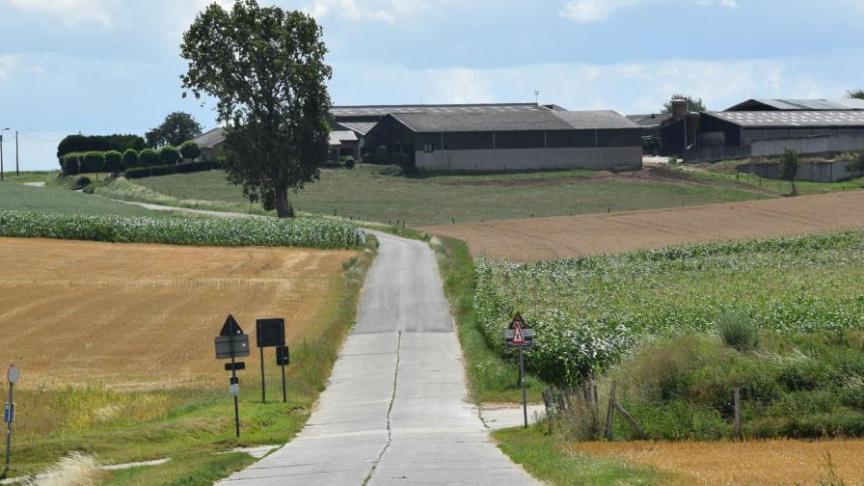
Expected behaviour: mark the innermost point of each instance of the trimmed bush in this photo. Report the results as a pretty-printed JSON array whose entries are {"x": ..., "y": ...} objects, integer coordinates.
[
  {"x": 99, "y": 143},
  {"x": 185, "y": 168},
  {"x": 148, "y": 158},
  {"x": 303, "y": 232},
  {"x": 93, "y": 162},
  {"x": 169, "y": 155},
  {"x": 70, "y": 164},
  {"x": 113, "y": 161},
  {"x": 190, "y": 150},
  {"x": 130, "y": 158}
]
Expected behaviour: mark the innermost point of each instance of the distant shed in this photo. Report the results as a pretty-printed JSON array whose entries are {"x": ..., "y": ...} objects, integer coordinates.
[{"x": 510, "y": 140}]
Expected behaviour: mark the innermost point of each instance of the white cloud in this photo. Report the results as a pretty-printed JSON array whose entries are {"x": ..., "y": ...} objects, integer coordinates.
[
  {"x": 70, "y": 11},
  {"x": 586, "y": 11},
  {"x": 388, "y": 11}
]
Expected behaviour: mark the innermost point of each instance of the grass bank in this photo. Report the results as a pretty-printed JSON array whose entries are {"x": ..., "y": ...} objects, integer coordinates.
[
  {"x": 491, "y": 378},
  {"x": 547, "y": 458},
  {"x": 17, "y": 197},
  {"x": 384, "y": 194},
  {"x": 189, "y": 425}
]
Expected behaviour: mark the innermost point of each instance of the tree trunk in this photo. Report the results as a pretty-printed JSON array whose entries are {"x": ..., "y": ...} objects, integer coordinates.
[{"x": 284, "y": 209}]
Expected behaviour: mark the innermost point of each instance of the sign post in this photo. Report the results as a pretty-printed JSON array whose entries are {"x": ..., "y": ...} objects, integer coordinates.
[
  {"x": 270, "y": 333},
  {"x": 232, "y": 343},
  {"x": 283, "y": 358},
  {"x": 12, "y": 376},
  {"x": 520, "y": 336}
]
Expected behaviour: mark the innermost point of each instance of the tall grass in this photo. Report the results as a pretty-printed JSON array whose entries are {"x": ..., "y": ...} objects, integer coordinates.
[
  {"x": 304, "y": 232},
  {"x": 737, "y": 330}
]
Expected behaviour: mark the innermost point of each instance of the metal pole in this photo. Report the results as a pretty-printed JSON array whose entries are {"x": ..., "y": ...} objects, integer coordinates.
[
  {"x": 17, "y": 171},
  {"x": 263, "y": 393},
  {"x": 1, "y": 157},
  {"x": 8, "y": 434},
  {"x": 236, "y": 401},
  {"x": 522, "y": 382},
  {"x": 284, "y": 386}
]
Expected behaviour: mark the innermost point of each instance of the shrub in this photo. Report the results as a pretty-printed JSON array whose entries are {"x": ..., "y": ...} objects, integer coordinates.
[
  {"x": 70, "y": 164},
  {"x": 113, "y": 161},
  {"x": 148, "y": 158},
  {"x": 169, "y": 155},
  {"x": 190, "y": 150},
  {"x": 303, "y": 232},
  {"x": 93, "y": 162},
  {"x": 99, "y": 143},
  {"x": 81, "y": 183},
  {"x": 349, "y": 163},
  {"x": 163, "y": 170},
  {"x": 738, "y": 330},
  {"x": 130, "y": 158}
]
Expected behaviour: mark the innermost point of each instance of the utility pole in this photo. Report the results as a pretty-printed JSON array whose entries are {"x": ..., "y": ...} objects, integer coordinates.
[{"x": 17, "y": 171}]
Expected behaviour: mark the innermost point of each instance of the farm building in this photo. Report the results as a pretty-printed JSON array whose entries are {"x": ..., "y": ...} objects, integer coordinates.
[
  {"x": 783, "y": 104},
  {"x": 210, "y": 143},
  {"x": 519, "y": 139},
  {"x": 342, "y": 143}
]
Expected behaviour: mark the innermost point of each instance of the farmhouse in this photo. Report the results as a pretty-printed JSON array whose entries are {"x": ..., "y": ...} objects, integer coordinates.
[
  {"x": 807, "y": 126},
  {"x": 532, "y": 138}
]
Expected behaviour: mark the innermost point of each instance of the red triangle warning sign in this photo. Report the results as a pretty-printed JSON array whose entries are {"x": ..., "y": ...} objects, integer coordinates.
[{"x": 518, "y": 339}]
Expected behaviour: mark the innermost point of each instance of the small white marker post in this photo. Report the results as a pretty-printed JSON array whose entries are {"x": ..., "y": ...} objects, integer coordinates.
[{"x": 12, "y": 377}]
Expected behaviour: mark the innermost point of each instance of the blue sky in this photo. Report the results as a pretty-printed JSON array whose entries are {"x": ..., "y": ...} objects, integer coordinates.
[{"x": 106, "y": 66}]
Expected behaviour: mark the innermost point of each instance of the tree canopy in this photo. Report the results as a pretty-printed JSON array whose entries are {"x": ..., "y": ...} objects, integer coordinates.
[
  {"x": 265, "y": 67},
  {"x": 855, "y": 93},
  {"x": 696, "y": 104},
  {"x": 177, "y": 128}
]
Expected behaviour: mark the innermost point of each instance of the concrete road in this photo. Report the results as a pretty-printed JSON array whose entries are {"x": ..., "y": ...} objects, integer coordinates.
[{"x": 396, "y": 409}]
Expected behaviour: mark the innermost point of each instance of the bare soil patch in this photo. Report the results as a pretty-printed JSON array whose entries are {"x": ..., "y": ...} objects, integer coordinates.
[
  {"x": 774, "y": 462},
  {"x": 579, "y": 236},
  {"x": 144, "y": 316}
]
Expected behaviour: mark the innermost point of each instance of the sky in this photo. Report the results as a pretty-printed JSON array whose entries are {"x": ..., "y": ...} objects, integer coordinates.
[{"x": 114, "y": 66}]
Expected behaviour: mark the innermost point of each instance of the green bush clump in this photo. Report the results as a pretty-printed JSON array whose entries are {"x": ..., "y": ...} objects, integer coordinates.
[
  {"x": 190, "y": 150},
  {"x": 70, "y": 164},
  {"x": 303, "y": 232},
  {"x": 184, "y": 168},
  {"x": 169, "y": 155},
  {"x": 737, "y": 330},
  {"x": 93, "y": 162},
  {"x": 113, "y": 161},
  {"x": 130, "y": 158},
  {"x": 148, "y": 158}
]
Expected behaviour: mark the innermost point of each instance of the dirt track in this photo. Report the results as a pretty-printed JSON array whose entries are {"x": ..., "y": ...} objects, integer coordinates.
[
  {"x": 144, "y": 316},
  {"x": 577, "y": 236}
]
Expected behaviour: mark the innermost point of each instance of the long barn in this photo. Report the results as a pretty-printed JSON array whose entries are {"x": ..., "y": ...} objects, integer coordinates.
[{"x": 537, "y": 139}]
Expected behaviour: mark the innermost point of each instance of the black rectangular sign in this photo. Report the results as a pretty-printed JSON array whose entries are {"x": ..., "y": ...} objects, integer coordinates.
[
  {"x": 271, "y": 333},
  {"x": 283, "y": 356},
  {"x": 237, "y": 345},
  {"x": 235, "y": 366}
]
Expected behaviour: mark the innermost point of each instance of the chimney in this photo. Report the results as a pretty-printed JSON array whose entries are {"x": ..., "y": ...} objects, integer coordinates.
[{"x": 680, "y": 109}]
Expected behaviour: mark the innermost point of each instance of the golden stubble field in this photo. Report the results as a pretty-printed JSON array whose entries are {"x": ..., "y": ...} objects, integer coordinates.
[
  {"x": 752, "y": 463},
  {"x": 138, "y": 317},
  {"x": 529, "y": 240}
]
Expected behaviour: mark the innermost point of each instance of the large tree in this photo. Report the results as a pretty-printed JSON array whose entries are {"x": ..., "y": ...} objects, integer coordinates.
[
  {"x": 177, "y": 128},
  {"x": 695, "y": 104},
  {"x": 265, "y": 67},
  {"x": 855, "y": 93}
]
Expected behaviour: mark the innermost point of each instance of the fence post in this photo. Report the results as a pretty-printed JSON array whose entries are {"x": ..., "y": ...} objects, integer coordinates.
[
  {"x": 737, "y": 400},
  {"x": 610, "y": 413}
]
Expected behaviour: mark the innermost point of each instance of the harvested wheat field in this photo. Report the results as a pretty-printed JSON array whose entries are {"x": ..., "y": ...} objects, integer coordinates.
[
  {"x": 132, "y": 316},
  {"x": 773, "y": 462},
  {"x": 529, "y": 240}
]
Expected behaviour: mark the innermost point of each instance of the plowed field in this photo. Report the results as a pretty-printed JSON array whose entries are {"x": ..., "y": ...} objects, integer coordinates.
[
  {"x": 578, "y": 236},
  {"x": 776, "y": 462},
  {"x": 144, "y": 316}
]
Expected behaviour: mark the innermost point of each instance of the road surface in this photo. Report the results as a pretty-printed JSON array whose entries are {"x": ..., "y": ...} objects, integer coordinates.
[{"x": 396, "y": 409}]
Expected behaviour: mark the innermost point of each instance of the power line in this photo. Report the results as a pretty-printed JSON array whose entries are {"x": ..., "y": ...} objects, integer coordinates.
[{"x": 35, "y": 139}]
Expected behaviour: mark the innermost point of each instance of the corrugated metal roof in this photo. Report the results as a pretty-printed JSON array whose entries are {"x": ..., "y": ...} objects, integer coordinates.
[
  {"x": 515, "y": 121},
  {"x": 210, "y": 139},
  {"x": 650, "y": 119},
  {"x": 383, "y": 110},
  {"x": 358, "y": 127},
  {"x": 792, "y": 118},
  {"x": 339, "y": 136},
  {"x": 787, "y": 104}
]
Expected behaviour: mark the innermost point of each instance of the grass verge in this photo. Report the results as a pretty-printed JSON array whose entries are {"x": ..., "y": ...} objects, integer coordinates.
[
  {"x": 546, "y": 458},
  {"x": 491, "y": 378},
  {"x": 191, "y": 426}
]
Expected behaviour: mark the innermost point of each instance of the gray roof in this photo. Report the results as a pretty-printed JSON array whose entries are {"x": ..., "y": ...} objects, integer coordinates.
[
  {"x": 513, "y": 121},
  {"x": 650, "y": 119},
  {"x": 211, "y": 139},
  {"x": 785, "y": 104},
  {"x": 358, "y": 127},
  {"x": 339, "y": 136},
  {"x": 383, "y": 110},
  {"x": 792, "y": 118}
]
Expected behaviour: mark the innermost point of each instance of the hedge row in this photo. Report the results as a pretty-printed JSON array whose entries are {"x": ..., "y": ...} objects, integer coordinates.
[
  {"x": 99, "y": 143},
  {"x": 302, "y": 232},
  {"x": 114, "y": 161},
  {"x": 185, "y": 168}
]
